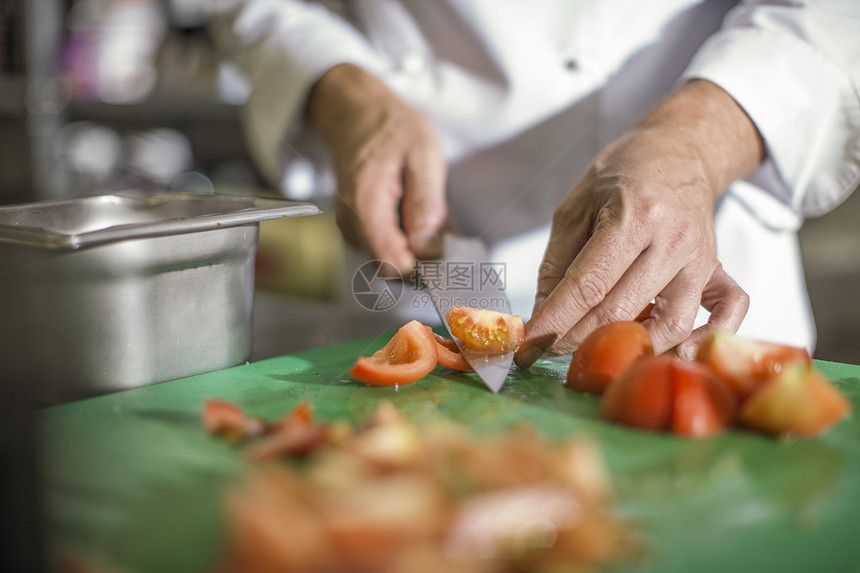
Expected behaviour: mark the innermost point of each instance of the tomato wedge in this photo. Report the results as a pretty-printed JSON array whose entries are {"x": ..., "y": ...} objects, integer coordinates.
[
  {"x": 301, "y": 415},
  {"x": 641, "y": 397},
  {"x": 799, "y": 400},
  {"x": 746, "y": 364},
  {"x": 605, "y": 354},
  {"x": 703, "y": 405},
  {"x": 409, "y": 356},
  {"x": 664, "y": 393},
  {"x": 485, "y": 330},
  {"x": 448, "y": 355},
  {"x": 221, "y": 417}
]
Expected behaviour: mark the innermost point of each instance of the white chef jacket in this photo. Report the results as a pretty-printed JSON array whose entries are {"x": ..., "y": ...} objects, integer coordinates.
[{"x": 524, "y": 94}]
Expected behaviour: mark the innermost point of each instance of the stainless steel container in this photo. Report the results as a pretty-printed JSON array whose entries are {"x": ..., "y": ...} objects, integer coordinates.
[{"x": 118, "y": 291}]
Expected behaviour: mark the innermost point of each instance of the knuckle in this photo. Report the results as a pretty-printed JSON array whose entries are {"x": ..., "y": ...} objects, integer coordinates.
[
  {"x": 608, "y": 217},
  {"x": 647, "y": 211},
  {"x": 550, "y": 271},
  {"x": 560, "y": 217},
  {"x": 674, "y": 329},
  {"x": 743, "y": 299},
  {"x": 615, "y": 313},
  {"x": 587, "y": 290}
]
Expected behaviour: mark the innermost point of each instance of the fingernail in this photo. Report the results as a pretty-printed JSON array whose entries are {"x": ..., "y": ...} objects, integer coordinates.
[
  {"x": 534, "y": 349},
  {"x": 527, "y": 356}
]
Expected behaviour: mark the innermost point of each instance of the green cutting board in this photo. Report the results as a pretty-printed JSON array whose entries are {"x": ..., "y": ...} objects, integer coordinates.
[{"x": 133, "y": 478}]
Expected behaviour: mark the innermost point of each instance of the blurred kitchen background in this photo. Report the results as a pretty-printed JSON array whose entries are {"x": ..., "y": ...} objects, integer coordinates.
[{"x": 106, "y": 94}]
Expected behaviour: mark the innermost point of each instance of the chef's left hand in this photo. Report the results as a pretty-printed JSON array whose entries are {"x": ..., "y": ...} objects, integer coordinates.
[{"x": 640, "y": 226}]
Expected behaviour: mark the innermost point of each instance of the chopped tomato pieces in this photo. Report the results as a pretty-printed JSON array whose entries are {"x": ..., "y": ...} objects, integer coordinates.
[
  {"x": 746, "y": 364},
  {"x": 448, "y": 355},
  {"x": 605, "y": 354},
  {"x": 484, "y": 330},
  {"x": 227, "y": 419},
  {"x": 408, "y": 357},
  {"x": 798, "y": 400},
  {"x": 664, "y": 393},
  {"x": 702, "y": 405}
]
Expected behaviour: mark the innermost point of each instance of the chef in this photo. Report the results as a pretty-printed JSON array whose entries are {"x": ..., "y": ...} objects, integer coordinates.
[{"x": 610, "y": 153}]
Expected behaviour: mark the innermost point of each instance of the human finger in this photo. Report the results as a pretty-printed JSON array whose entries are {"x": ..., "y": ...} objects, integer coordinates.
[
  {"x": 374, "y": 211},
  {"x": 425, "y": 211},
  {"x": 653, "y": 272},
  {"x": 728, "y": 304},
  {"x": 675, "y": 309},
  {"x": 568, "y": 234},
  {"x": 591, "y": 275}
]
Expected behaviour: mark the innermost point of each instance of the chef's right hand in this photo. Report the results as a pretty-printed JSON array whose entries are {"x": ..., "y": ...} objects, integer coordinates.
[{"x": 389, "y": 166}]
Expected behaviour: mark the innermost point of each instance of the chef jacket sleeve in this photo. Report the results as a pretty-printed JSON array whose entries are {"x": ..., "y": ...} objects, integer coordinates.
[
  {"x": 794, "y": 67},
  {"x": 283, "y": 47}
]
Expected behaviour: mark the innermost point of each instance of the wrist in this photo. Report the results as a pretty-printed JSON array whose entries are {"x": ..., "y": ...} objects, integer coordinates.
[
  {"x": 345, "y": 95},
  {"x": 715, "y": 128}
]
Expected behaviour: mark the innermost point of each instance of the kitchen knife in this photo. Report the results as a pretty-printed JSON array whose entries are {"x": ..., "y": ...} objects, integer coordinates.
[{"x": 465, "y": 276}]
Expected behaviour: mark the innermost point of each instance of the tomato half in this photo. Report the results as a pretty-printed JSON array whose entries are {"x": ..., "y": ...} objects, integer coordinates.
[
  {"x": 448, "y": 355},
  {"x": 485, "y": 330},
  {"x": 745, "y": 364},
  {"x": 409, "y": 356},
  {"x": 798, "y": 400},
  {"x": 664, "y": 393},
  {"x": 605, "y": 354}
]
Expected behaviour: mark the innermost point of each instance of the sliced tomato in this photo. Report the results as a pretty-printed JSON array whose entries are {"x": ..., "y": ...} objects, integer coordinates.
[
  {"x": 745, "y": 364},
  {"x": 225, "y": 418},
  {"x": 485, "y": 330},
  {"x": 703, "y": 404},
  {"x": 664, "y": 393},
  {"x": 642, "y": 396},
  {"x": 301, "y": 415},
  {"x": 799, "y": 400},
  {"x": 448, "y": 355},
  {"x": 605, "y": 354},
  {"x": 408, "y": 357},
  {"x": 296, "y": 438}
]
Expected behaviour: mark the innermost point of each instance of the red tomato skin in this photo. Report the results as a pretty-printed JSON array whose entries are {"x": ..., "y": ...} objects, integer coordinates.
[
  {"x": 448, "y": 354},
  {"x": 642, "y": 396},
  {"x": 408, "y": 357},
  {"x": 301, "y": 415},
  {"x": 605, "y": 354},
  {"x": 744, "y": 365},
  {"x": 798, "y": 401},
  {"x": 703, "y": 404},
  {"x": 226, "y": 418},
  {"x": 666, "y": 394},
  {"x": 487, "y": 331}
]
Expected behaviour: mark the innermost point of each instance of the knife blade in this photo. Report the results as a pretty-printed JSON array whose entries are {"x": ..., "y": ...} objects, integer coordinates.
[{"x": 466, "y": 276}]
